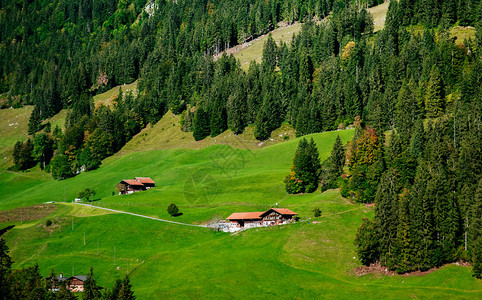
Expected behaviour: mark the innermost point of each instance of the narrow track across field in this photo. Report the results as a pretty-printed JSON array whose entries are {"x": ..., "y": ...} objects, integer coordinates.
[{"x": 142, "y": 216}]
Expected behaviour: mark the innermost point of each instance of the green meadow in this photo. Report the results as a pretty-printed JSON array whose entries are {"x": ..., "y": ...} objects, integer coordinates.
[{"x": 310, "y": 259}]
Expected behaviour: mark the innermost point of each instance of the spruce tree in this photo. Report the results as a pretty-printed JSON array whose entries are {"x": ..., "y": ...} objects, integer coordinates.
[
  {"x": 434, "y": 99},
  {"x": 201, "y": 124},
  {"x": 91, "y": 289},
  {"x": 34, "y": 121},
  {"x": 366, "y": 242},
  {"x": 270, "y": 53},
  {"x": 304, "y": 175},
  {"x": 338, "y": 157},
  {"x": 5, "y": 269},
  {"x": 126, "y": 292},
  {"x": 475, "y": 241},
  {"x": 386, "y": 217}
]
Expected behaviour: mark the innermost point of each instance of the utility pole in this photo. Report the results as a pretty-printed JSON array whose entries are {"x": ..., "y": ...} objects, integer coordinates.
[
  {"x": 114, "y": 256},
  {"x": 84, "y": 238}
]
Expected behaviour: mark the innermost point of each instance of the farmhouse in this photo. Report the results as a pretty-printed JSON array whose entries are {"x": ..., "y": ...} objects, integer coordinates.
[
  {"x": 273, "y": 216},
  {"x": 129, "y": 186},
  {"x": 73, "y": 283}
]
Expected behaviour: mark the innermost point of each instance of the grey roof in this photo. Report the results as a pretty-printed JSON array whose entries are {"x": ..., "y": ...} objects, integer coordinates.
[
  {"x": 64, "y": 278},
  {"x": 80, "y": 277},
  {"x": 60, "y": 279}
]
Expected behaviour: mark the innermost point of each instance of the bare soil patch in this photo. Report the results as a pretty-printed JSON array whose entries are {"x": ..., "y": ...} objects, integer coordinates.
[
  {"x": 379, "y": 269},
  {"x": 28, "y": 213}
]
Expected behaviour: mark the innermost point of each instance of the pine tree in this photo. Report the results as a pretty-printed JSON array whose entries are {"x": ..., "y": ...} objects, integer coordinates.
[
  {"x": 406, "y": 110},
  {"x": 434, "y": 99},
  {"x": 91, "y": 289},
  {"x": 338, "y": 156},
  {"x": 126, "y": 292},
  {"x": 404, "y": 235},
  {"x": 269, "y": 118},
  {"x": 475, "y": 241},
  {"x": 201, "y": 124},
  {"x": 34, "y": 121},
  {"x": 270, "y": 53},
  {"x": 386, "y": 217},
  {"x": 304, "y": 175},
  {"x": 367, "y": 243},
  {"x": 5, "y": 269}
]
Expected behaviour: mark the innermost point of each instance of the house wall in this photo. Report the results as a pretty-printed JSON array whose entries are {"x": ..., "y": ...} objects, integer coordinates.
[{"x": 76, "y": 285}]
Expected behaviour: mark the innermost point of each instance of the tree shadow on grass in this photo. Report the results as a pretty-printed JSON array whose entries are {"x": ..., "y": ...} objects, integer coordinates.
[
  {"x": 2, "y": 231},
  {"x": 177, "y": 215}
]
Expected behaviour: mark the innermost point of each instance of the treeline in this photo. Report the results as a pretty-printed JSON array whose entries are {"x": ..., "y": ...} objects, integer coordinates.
[
  {"x": 91, "y": 134},
  {"x": 52, "y": 52},
  {"x": 79, "y": 49},
  {"x": 28, "y": 283}
]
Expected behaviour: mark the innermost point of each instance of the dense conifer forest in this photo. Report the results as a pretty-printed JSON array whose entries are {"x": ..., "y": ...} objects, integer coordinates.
[{"x": 412, "y": 92}]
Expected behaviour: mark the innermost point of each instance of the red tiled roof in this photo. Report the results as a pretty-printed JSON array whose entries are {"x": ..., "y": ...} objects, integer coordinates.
[
  {"x": 145, "y": 180},
  {"x": 132, "y": 182},
  {"x": 284, "y": 211},
  {"x": 245, "y": 216}
]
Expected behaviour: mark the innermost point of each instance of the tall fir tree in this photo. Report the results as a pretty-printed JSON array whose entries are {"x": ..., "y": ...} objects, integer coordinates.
[
  {"x": 201, "y": 124},
  {"x": 434, "y": 98}
]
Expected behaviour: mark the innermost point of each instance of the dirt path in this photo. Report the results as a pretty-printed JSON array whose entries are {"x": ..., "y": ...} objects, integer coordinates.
[{"x": 142, "y": 216}]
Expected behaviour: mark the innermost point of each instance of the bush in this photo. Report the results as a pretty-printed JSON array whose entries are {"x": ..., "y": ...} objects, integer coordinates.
[
  {"x": 172, "y": 209},
  {"x": 48, "y": 223},
  {"x": 317, "y": 212}
]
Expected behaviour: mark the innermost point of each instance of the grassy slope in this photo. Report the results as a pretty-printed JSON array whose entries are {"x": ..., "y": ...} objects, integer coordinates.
[
  {"x": 379, "y": 13},
  {"x": 300, "y": 260},
  {"x": 253, "y": 50},
  {"x": 107, "y": 97},
  {"x": 13, "y": 128}
]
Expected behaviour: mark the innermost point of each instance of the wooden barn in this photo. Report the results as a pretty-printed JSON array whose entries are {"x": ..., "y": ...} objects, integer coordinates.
[
  {"x": 273, "y": 216},
  {"x": 146, "y": 181},
  {"x": 129, "y": 186}
]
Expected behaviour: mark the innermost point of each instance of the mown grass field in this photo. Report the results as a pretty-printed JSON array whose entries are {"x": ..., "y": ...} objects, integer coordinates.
[{"x": 312, "y": 259}]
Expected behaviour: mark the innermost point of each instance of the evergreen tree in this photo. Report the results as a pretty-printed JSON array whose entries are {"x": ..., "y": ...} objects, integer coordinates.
[
  {"x": 91, "y": 289},
  {"x": 366, "y": 242},
  {"x": 304, "y": 175},
  {"x": 386, "y": 218},
  {"x": 126, "y": 292},
  {"x": 34, "y": 121},
  {"x": 338, "y": 156},
  {"x": 42, "y": 149},
  {"x": 434, "y": 99},
  {"x": 201, "y": 124},
  {"x": 270, "y": 53},
  {"x": 475, "y": 241},
  {"x": 5, "y": 269}
]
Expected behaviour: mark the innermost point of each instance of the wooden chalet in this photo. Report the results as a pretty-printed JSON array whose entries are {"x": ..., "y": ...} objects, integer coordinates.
[
  {"x": 273, "y": 216},
  {"x": 129, "y": 186},
  {"x": 73, "y": 283},
  {"x": 146, "y": 181},
  {"x": 76, "y": 283}
]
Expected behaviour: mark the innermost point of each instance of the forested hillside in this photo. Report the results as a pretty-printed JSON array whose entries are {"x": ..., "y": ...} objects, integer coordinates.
[{"x": 414, "y": 95}]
